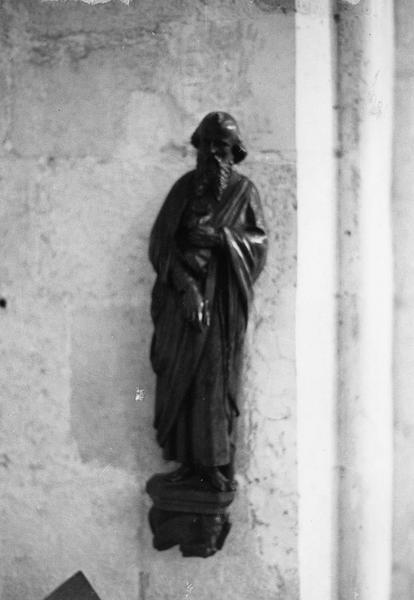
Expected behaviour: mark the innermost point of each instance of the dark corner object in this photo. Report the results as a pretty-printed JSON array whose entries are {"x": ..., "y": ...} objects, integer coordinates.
[
  {"x": 76, "y": 587},
  {"x": 207, "y": 246}
]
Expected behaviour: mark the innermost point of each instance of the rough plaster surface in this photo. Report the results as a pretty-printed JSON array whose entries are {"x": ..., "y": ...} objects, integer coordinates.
[
  {"x": 403, "y": 218},
  {"x": 97, "y": 106},
  {"x": 267, "y": 5}
]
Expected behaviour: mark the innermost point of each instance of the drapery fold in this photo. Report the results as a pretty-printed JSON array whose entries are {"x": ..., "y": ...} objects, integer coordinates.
[{"x": 177, "y": 346}]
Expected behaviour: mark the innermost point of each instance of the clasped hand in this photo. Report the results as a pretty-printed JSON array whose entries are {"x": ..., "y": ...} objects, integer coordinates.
[{"x": 204, "y": 236}]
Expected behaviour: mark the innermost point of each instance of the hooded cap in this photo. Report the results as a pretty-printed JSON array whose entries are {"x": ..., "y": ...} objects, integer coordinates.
[{"x": 221, "y": 123}]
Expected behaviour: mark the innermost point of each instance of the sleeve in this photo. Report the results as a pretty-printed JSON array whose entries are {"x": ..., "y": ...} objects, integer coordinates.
[
  {"x": 180, "y": 278},
  {"x": 246, "y": 242},
  {"x": 163, "y": 252}
]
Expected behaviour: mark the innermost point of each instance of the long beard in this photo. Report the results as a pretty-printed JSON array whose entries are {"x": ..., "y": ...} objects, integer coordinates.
[{"x": 213, "y": 175}]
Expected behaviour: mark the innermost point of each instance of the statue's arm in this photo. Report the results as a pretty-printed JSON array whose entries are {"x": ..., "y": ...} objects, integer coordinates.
[
  {"x": 246, "y": 240},
  {"x": 250, "y": 228},
  {"x": 166, "y": 257},
  {"x": 163, "y": 251},
  {"x": 187, "y": 288},
  {"x": 253, "y": 225},
  {"x": 179, "y": 276}
]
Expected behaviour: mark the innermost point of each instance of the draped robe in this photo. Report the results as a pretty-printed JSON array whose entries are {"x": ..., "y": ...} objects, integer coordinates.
[{"x": 198, "y": 370}]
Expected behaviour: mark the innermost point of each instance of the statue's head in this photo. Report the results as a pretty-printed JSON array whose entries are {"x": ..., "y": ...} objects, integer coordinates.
[{"x": 218, "y": 135}]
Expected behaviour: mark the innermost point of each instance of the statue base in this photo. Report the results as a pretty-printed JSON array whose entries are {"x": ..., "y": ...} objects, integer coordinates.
[{"x": 189, "y": 514}]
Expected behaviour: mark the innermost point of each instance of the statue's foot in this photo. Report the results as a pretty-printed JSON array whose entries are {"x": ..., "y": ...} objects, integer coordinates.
[
  {"x": 217, "y": 480},
  {"x": 183, "y": 472},
  {"x": 232, "y": 485}
]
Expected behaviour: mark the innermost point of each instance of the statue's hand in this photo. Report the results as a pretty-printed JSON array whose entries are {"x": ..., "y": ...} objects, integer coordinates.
[
  {"x": 205, "y": 236},
  {"x": 192, "y": 303}
]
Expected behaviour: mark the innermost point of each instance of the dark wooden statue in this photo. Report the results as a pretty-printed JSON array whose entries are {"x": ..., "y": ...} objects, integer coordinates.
[{"x": 207, "y": 246}]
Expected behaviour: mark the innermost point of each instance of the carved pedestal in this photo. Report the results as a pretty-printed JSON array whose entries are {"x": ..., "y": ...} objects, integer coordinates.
[{"x": 189, "y": 514}]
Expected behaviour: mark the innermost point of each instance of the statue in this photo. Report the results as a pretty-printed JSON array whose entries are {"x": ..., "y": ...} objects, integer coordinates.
[{"x": 207, "y": 246}]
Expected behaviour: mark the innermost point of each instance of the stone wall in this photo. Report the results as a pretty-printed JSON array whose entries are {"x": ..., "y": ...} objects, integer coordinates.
[{"x": 97, "y": 104}]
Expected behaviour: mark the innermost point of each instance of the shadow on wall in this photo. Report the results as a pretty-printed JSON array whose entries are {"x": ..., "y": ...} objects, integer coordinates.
[{"x": 112, "y": 381}]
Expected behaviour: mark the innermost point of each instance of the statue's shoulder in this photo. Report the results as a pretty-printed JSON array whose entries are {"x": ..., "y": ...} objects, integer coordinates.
[
  {"x": 252, "y": 199},
  {"x": 248, "y": 186},
  {"x": 182, "y": 183},
  {"x": 239, "y": 180},
  {"x": 175, "y": 201}
]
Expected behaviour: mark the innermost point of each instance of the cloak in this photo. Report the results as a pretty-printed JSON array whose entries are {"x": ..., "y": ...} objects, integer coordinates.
[{"x": 198, "y": 371}]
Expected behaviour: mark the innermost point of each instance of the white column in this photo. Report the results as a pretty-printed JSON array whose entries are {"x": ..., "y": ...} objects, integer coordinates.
[
  {"x": 376, "y": 441},
  {"x": 345, "y": 555},
  {"x": 366, "y": 424},
  {"x": 316, "y": 297}
]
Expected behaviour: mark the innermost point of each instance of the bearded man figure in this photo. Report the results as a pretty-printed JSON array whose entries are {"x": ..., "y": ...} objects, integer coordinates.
[{"x": 207, "y": 246}]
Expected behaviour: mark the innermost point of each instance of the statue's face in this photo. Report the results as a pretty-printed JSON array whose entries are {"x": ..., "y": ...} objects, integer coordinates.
[{"x": 216, "y": 142}]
